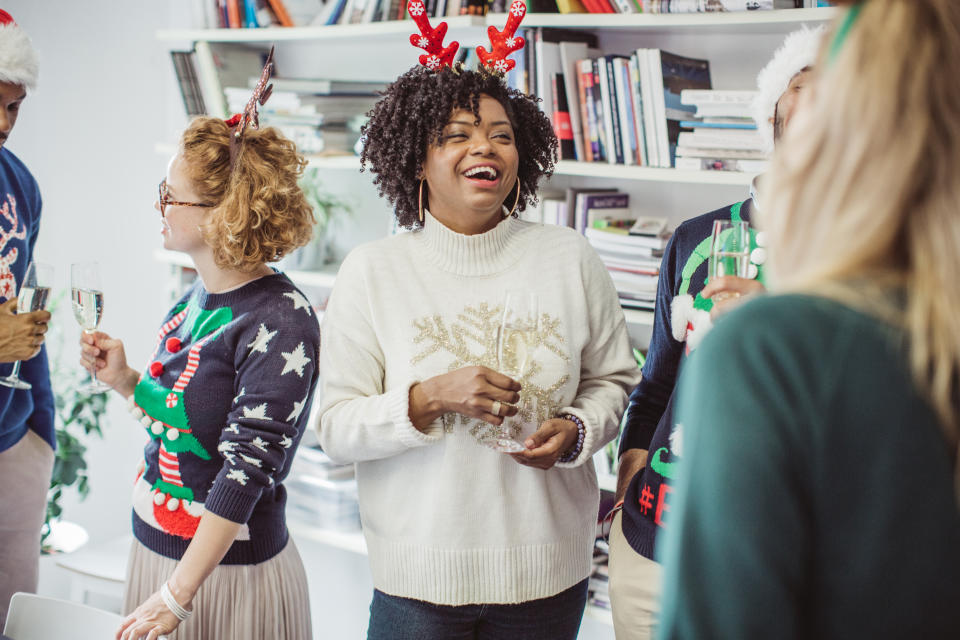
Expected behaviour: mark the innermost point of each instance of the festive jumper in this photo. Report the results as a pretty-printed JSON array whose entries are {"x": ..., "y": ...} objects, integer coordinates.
[{"x": 223, "y": 402}]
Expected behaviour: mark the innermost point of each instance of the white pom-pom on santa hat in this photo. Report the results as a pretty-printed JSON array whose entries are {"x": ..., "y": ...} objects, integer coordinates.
[
  {"x": 18, "y": 58},
  {"x": 799, "y": 50}
]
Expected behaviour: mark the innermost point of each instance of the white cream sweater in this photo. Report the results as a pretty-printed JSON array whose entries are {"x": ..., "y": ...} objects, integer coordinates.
[{"x": 446, "y": 519}]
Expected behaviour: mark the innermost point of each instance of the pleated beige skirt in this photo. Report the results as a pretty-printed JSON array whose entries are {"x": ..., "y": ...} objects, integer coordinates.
[{"x": 236, "y": 602}]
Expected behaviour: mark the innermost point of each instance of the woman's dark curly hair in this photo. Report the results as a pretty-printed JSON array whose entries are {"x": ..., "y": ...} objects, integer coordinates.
[{"x": 413, "y": 112}]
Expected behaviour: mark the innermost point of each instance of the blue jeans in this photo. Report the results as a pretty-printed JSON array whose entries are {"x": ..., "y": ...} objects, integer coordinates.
[{"x": 554, "y": 618}]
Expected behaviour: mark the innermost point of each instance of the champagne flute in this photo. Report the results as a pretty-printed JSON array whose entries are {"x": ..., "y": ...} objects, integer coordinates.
[
  {"x": 34, "y": 296},
  {"x": 729, "y": 252},
  {"x": 86, "y": 295},
  {"x": 516, "y": 339}
]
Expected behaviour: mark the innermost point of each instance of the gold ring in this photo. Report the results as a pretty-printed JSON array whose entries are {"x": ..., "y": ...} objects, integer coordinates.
[{"x": 496, "y": 407}]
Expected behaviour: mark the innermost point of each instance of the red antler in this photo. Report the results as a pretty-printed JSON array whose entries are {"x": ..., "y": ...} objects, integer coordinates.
[
  {"x": 430, "y": 39},
  {"x": 504, "y": 42}
]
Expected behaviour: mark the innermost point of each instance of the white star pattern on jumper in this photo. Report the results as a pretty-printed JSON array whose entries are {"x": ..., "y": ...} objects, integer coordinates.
[
  {"x": 259, "y": 443},
  {"x": 238, "y": 475},
  {"x": 251, "y": 460},
  {"x": 296, "y": 360},
  {"x": 243, "y": 390},
  {"x": 261, "y": 342},
  {"x": 297, "y": 410},
  {"x": 259, "y": 412},
  {"x": 286, "y": 442},
  {"x": 416, "y": 8},
  {"x": 234, "y": 428},
  {"x": 226, "y": 446},
  {"x": 299, "y": 302},
  {"x": 423, "y": 43},
  {"x": 229, "y": 457}
]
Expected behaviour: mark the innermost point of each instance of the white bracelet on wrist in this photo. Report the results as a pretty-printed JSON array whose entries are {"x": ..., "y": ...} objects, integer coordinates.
[{"x": 172, "y": 604}]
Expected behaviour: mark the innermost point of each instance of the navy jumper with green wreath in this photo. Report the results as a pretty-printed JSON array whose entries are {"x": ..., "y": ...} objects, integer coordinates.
[
  {"x": 681, "y": 319},
  {"x": 223, "y": 401}
]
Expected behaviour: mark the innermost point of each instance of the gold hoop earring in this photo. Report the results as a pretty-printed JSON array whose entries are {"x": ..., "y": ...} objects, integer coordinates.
[
  {"x": 516, "y": 200},
  {"x": 420, "y": 202}
]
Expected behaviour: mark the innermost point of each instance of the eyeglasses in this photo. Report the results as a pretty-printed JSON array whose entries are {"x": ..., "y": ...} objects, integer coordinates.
[{"x": 164, "y": 200}]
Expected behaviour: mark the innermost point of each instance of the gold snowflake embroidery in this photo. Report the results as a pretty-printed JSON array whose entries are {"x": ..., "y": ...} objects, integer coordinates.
[{"x": 471, "y": 340}]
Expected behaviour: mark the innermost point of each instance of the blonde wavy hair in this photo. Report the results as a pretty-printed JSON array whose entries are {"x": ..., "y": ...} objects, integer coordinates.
[
  {"x": 261, "y": 213},
  {"x": 864, "y": 192}
]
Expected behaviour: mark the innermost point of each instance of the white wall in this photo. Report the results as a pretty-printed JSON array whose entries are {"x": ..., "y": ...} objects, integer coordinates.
[{"x": 88, "y": 136}]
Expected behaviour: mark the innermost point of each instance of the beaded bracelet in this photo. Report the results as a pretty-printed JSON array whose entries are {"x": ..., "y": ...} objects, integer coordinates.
[
  {"x": 572, "y": 454},
  {"x": 172, "y": 604}
]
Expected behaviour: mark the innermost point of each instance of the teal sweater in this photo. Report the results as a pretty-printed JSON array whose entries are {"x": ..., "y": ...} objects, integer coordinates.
[{"x": 815, "y": 495}]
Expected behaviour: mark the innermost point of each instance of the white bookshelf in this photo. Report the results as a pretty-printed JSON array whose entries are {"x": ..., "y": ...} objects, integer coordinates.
[
  {"x": 379, "y": 30},
  {"x": 327, "y": 276},
  {"x": 782, "y": 20}
]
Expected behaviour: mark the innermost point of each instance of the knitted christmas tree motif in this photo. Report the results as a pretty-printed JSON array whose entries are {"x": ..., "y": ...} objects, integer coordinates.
[{"x": 161, "y": 411}]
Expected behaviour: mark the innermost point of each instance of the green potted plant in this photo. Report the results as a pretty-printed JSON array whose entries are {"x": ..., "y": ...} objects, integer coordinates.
[
  {"x": 327, "y": 208},
  {"x": 78, "y": 416}
]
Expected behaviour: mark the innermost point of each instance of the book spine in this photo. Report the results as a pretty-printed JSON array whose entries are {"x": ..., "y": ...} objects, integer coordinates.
[
  {"x": 233, "y": 14},
  {"x": 250, "y": 14},
  {"x": 584, "y": 111},
  {"x": 642, "y": 158},
  {"x": 605, "y": 149},
  {"x": 625, "y": 112},
  {"x": 562, "y": 127},
  {"x": 611, "y": 110}
]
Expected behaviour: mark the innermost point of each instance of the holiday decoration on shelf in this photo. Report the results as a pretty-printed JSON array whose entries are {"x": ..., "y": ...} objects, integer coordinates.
[
  {"x": 504, "y": 42},
  {"x": 431, "y": 39}
]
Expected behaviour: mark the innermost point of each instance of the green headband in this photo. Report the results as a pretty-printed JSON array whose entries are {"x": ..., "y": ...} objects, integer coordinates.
[{"x": 840, "y": 37}]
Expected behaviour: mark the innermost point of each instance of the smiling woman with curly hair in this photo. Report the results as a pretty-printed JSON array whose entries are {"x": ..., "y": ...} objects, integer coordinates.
[
  {"x": 412, "y": 115},
  {"x": 473, "y": 445}
]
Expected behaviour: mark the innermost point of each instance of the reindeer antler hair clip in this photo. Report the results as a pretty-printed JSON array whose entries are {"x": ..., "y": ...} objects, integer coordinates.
[
  {"x": 504, "y": 42},
  {"x": 251, "y": 115},
  {"x": 431, "y": 40}
]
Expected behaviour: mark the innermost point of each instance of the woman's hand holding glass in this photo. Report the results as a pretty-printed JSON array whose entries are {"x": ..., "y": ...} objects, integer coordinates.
[
  {"x": 470, "y": 391},
  {"x": 106, "y": 355},
  {"x": 548, "y": 443}
]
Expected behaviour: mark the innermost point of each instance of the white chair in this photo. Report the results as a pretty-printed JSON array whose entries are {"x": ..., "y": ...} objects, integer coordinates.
[{"x": 33, "y": 617}]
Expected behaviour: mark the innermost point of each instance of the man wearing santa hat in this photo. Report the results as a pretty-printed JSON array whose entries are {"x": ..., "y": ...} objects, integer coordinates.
[
  {"x": 652, "y": 443},
  {"x": 26, "y": 415}
]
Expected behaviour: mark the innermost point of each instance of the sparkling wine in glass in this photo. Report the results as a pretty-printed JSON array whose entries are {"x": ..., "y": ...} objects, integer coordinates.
[
  {"x": 516, "y": 339},
  {"x": 729, "y": 252},
  {"x": 86, "y": 295},
  {"x": 33, "y": 296}
]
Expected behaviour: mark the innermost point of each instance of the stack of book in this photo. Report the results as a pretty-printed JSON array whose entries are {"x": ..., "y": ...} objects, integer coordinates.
[
  {"x": 322, "y": 493},
  {"x": 722, "y": 135},
  {"x": 616, "y": 109},
  {"x": 698, "y": 6},
  {"x": 633, "y": 261},
  {"x": 320, "y": 116},
  {"x": 598, "y": 586}
]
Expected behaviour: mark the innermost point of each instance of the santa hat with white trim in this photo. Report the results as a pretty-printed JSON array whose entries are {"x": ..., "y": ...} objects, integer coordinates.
[
  {"x": 798, "y": 51},
  {"x": 18, "y": 58}
]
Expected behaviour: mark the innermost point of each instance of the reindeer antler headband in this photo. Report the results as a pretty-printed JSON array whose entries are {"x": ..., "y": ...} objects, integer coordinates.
[
  {"x": 251, "y": 116},
  {"x": 495, "y": 61}
]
